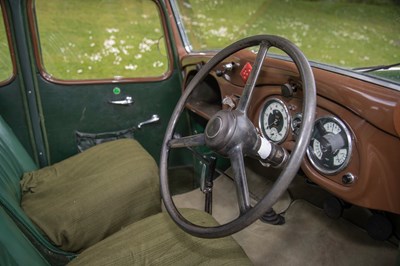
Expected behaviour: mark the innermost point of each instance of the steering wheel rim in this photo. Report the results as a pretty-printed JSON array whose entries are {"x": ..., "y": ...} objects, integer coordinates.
[{"x": 292, "y": 165}]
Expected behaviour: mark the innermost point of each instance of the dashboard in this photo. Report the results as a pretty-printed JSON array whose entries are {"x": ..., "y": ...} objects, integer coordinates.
[
  {"x": 330, "y": 148},
  {"x": 354, "y": 150}
]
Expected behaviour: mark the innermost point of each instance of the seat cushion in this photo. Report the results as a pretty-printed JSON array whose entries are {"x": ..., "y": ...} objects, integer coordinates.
[
  {"x": 157, "y": 240},
  {"x": 87, "y": 197}
]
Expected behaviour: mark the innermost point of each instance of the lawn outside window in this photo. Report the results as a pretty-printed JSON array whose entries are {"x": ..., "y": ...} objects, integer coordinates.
[
  {"x": 347, "y": 34},
  {"x": 6, "y": 65},
  {"x": 101, "y": 40}
]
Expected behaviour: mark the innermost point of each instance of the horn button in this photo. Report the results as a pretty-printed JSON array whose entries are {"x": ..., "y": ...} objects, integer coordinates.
[{"x": 228, "y": 129}]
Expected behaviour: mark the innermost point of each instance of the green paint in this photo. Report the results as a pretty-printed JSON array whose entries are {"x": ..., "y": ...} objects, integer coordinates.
[{"x": 116, "y": 90}]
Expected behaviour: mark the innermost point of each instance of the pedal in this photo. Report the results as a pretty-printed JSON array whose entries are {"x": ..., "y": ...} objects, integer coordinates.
[
  {"x": 333, "y": 207},
  {"x": 379, "y": 227},
  {"x": 271, "y": 217}
]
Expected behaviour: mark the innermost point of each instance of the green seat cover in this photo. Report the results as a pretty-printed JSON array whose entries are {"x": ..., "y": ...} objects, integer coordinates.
[
  {"x": 157, "y": 240},
  {"x": 93, "y": 194}
]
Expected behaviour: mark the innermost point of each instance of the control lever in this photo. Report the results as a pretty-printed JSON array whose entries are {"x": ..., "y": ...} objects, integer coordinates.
[
  {"x": 208, "y": 186},
  {"x": 153, "y": 119}
]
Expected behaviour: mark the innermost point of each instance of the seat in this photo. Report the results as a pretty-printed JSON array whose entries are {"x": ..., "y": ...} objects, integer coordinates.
[
  {"x": 15, "y": 247},
  {"x": 98, "y": 207},
  {"x": 14, "y": 162},
  {"x": 157, "y": 240},
  {"x": 89, "y": 196}
]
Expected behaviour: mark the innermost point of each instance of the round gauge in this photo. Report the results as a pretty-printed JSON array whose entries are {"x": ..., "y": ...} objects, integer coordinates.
[
  {"x": 274, "y": 120},
  {"x": 329, "y": 150}
]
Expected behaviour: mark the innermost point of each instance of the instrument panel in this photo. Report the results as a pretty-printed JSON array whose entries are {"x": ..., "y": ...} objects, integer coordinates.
[{"x": 331, "y": 146}]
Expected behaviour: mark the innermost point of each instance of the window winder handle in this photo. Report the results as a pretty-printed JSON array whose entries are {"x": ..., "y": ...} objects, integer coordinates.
[{"x": 154, "y": 118}]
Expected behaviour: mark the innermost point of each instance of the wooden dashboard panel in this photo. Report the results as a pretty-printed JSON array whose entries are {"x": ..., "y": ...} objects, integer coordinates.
[{"x": 371, "y": 112}]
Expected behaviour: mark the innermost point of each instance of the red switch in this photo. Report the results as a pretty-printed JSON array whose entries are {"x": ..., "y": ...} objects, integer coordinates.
[{"x": 245, "y": 73}]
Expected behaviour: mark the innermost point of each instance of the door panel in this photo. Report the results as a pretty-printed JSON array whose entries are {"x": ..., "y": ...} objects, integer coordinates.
[
  {"x": 86, "y": 108},
  {"x": 45, "y": 111},
  {"x": 80, "y": 71},
  {"x": 13, "y": 112}
]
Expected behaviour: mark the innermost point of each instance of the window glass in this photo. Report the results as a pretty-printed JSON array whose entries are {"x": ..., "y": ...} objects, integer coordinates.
[
  {"x": 101, "y": 39},
  {"x": 345, "y": 33},
  {"x": 6, "y": 67}
]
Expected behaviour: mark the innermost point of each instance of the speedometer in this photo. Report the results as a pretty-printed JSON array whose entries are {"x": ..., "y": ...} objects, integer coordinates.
[
  {"x": 274, "y": 120},
  {"x": 330, "y": 147}
]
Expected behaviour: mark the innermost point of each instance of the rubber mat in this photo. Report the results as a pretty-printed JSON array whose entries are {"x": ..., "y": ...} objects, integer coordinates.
[{"x": 308, "y": 237}]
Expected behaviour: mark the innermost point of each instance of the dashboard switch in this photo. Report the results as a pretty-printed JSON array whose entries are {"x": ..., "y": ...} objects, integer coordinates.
[
  {"x": 348, "y": 179},
  {"x": 245, "y": 72}
]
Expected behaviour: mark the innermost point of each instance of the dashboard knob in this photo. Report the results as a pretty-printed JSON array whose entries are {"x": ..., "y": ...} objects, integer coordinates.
[
  {"x": 287, "y": 90},
  {"x": 348, "y": 179}
]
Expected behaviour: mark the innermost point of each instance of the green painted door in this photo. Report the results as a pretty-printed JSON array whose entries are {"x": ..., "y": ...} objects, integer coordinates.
[
  {"x": 84, "y": 55},
  {"x": 13, "y": 100}
]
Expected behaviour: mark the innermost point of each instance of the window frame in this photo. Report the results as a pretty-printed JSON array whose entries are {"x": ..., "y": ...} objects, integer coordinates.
[
  {"x": 10, "y": 46},
  {"x": 34, "y": 30}
]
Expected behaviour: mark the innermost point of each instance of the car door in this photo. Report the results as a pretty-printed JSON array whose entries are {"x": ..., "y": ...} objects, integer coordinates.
[
  {"x": 13, "y": 103},
  {"x": 92, "y": 67}
]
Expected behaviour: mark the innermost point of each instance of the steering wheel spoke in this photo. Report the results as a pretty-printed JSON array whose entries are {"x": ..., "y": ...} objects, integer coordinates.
[
  {"x": 251, "y": 81},
  {"x": 188, "y": 141},
  {"x": 239, "y": 171}
]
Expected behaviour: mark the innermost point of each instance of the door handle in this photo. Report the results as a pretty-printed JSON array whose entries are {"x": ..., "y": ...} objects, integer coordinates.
[
  {"x": 127, "y": 101},
  {"x": 154, "y": 118}
]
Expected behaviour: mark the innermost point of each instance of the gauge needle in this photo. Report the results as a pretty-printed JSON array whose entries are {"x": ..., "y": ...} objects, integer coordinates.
[
  {"x": 320, "y": 127},
  {"x": 273, "y": 124}
]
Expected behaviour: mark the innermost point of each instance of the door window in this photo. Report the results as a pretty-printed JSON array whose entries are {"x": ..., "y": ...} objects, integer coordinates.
[
  {"x": 109, "y": 39},
  {"x": 6, "y": 66}
]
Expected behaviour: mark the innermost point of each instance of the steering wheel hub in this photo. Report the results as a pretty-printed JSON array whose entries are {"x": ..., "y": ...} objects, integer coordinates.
[
  {"x": 228, "y": 129},
  {"x": 220, "y": 130},
  {"x": 214, "y": 127}
]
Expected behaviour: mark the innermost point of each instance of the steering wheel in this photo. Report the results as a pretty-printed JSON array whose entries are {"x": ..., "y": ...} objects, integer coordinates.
[{"x": 230, "y": 133}]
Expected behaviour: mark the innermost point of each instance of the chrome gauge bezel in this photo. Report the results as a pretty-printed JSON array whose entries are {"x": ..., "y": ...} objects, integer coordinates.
[
  {"x": 348, "y": 138},
  {"x": 287, "y": 122},
  {"x": 296, "y": 128}
]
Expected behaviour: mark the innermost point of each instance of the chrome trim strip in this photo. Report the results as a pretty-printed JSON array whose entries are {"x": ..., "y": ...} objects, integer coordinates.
[{"x": 181, "y": 27}]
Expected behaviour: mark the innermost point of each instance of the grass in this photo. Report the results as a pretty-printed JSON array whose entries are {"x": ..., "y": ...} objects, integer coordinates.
[
  {"x": 102, "y": 39},
  {"x": 5, "y": 58},
  {"x": 344, "y": 33}
]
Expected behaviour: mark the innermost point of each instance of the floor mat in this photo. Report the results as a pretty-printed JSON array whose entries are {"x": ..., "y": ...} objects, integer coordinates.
[
  {"x": 308, "y": 237},
  {"x": 225, "y": 204}
]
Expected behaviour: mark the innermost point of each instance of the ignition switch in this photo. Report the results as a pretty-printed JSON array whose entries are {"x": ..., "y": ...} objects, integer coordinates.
[{"x": 226, "y": 67}]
